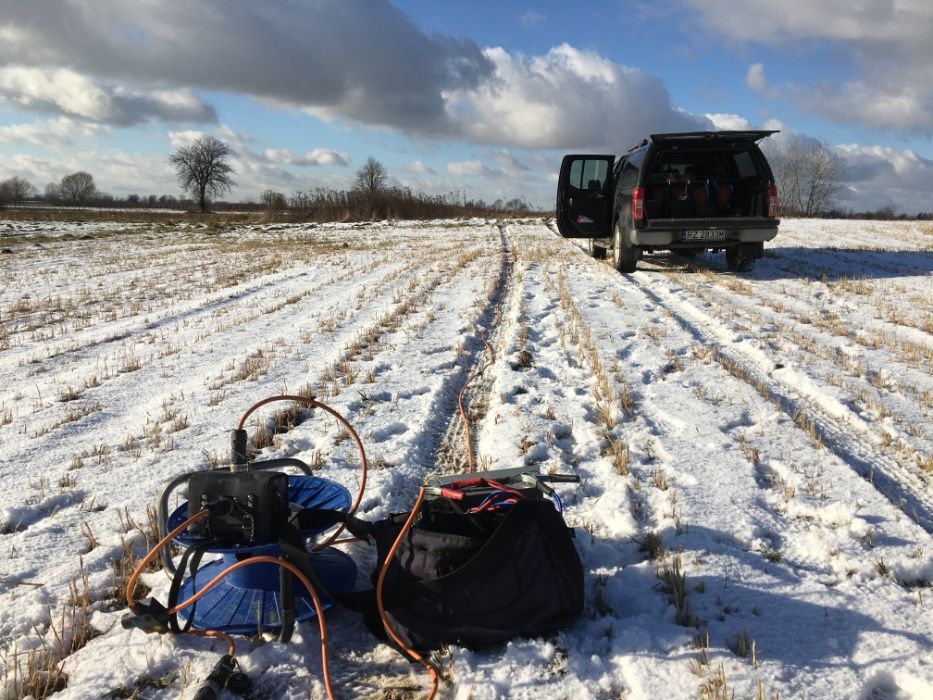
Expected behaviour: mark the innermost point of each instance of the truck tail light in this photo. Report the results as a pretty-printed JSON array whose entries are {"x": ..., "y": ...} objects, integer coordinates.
[
  {"x": 638, "y": 203},
  {"x": 773, "y": 200}
]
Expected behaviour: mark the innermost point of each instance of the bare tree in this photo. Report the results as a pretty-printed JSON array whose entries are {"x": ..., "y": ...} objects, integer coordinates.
[
  {"x": 77, "y": 187},
  {"x": 14, "y": 190},
  {"x": 52, "y": 192},
  {"x": 371, "y": 177},
  {"x": 274, "y": 200},
  {"x": 808, "y": 174},
  {"x": 203, "y": 169},
  {"x": 823, "y": 180}
]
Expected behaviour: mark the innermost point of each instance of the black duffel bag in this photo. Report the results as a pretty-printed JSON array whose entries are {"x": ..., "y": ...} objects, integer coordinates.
[{"x": 479, "y": 579}]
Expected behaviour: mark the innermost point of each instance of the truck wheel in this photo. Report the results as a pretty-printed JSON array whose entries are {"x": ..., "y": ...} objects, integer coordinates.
[
  {"x": 596, "y": 251},
  {"x": 736, "y": 261},
  {"x": 624, "y": 256}
]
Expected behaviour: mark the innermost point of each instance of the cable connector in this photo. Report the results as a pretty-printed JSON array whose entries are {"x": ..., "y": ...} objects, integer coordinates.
[
  {"x": 561, "y": 478},
  {"x": 443, "y": 492},
  {"x": 222, "y": 506},
  {"x": 238, "y": 450},
  {"x": 535, "y": 481},
  {"x": 215, "y": 682},
  {"x": 149, "y": 615}
]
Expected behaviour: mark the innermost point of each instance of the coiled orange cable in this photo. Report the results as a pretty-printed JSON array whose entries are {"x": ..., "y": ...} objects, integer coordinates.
[
  {"x": 314, "y": 403},
  {"x": 315, "y": 599},
  {"x": 318, "y": 608}
]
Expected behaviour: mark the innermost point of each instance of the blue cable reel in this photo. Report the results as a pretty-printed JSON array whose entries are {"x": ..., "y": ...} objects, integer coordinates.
[{"x": 248, "y": 600}]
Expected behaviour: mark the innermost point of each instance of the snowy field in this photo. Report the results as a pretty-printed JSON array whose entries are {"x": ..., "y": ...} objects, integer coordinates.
[{"x": 756, "y": 451}]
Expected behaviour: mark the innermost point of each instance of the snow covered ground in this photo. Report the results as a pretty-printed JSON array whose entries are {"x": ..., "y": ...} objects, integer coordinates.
[{"x": 756, "y": 451}]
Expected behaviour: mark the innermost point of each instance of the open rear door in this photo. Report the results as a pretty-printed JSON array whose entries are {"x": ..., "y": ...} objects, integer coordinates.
[{"x": 584, "y": 196}]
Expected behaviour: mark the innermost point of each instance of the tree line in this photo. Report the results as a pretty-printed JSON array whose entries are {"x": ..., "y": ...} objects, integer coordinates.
[
  {"x": 204, "y": 171},
  {"x": 808, "y": 175}
]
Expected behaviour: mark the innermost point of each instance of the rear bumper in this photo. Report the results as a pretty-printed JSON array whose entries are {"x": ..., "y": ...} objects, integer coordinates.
[{"x": 692, "y": 232}]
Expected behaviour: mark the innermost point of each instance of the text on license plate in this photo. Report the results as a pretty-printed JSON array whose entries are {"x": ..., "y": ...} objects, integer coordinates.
[{"x": 707, "y": 234}]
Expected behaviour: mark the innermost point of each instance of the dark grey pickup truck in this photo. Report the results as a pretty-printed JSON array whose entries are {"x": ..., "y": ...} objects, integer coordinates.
[{"x": 686, "y": 192}]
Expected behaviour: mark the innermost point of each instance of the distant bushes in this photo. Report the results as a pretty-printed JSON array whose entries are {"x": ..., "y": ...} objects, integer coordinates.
[
  {"x": 318, "y": 205},
  {"x": 388, "y": 203}
]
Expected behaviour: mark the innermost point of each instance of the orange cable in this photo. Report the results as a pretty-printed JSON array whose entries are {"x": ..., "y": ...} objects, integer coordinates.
[
  {"x": 490, "y": 360},
  {"x": 295, "y": 571},
  {"x": 134, "y": 577},
  {"x": 387, "y": 624},
  {"x": 314, "y": 403},
  {"x": 131, "y": 586},
  {"x": 137, "y": 572},
  {"x": 390, "y": 629},
  {"x": 231, "y": 648}
]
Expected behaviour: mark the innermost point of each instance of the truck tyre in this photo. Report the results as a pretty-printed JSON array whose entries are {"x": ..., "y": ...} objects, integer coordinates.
[
  {"x": 736, "y": 261},
  {"x": 596, "y": 251},
  {"x": 624, "y": 256}
]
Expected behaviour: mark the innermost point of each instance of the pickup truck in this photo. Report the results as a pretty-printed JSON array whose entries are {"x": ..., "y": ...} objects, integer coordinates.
[{"x": 684, "y": 192}]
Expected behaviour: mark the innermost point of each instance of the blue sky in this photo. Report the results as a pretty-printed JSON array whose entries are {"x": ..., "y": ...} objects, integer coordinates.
[{"x": 478, "y": 97}]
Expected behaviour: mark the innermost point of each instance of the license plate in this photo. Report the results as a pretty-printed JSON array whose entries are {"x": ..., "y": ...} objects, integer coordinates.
[{"x": 706, "y": 234}]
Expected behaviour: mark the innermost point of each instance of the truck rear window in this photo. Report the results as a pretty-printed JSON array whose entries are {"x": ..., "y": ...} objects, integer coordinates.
[{"x": 745, "y": 164}]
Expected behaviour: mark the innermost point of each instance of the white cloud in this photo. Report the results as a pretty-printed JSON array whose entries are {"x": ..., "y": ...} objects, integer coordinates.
[
  {"x": 776, "y": 22},
  {"x": 359, "y": 59},
  {"x": 178, "y": 139},
  {"x": 317, "y": 156},
  {"x": 419, "y": 168},
  {"x": 473, "y": 168},
  {"x": 755, "y": 77},
  {"x": 871, "y": 176},
  {"x": 878, "y": 176},
  {"x": 59, "y": 131},
  {"x": 891, "y": 106},
  {"x": 238, "y": 141},
  {"x": 98, "y": 63},
  {"x": 565, "y": 99},
  {"x": 117, "y": 172},
  {"x": 66, "y": 92},
  {"x": 123, "y": 63},
  {"x": 509, "y": 162},
  {"x": 530, "y": 18},
  {"x": 886, "y": 43},
  {"x": 729, "y": 122},
  {"x": 37, "y": 170}
]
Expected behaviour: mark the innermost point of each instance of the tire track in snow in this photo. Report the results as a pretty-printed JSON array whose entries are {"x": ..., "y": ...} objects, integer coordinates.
[
  {"x": 844, "y": 433},
  {"x": 433, "y": 444},
  {"x": 826, "y": 359},
  {"x": 729, "y": 520},
  {"x": 540, "y": 417},
  {"x": 449, "y": 455}
]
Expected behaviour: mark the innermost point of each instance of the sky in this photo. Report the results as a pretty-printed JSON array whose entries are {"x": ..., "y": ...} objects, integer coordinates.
[{"x": 479, "y": 98}]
